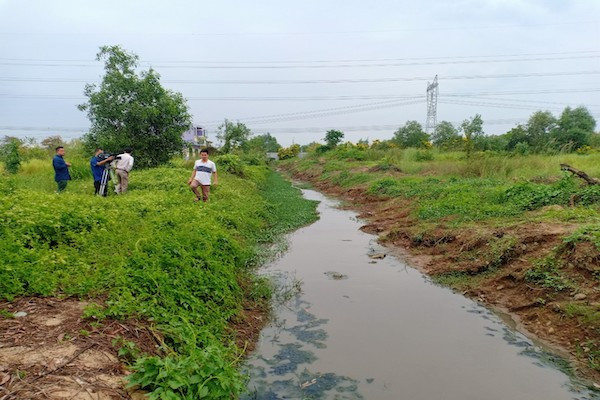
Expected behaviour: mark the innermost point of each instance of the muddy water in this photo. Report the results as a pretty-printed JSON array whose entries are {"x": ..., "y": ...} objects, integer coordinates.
[{"x": 364, "y": 328}]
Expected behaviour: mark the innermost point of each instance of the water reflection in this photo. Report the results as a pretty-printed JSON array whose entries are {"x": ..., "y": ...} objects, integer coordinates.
[{"x": 360, "y": 329}]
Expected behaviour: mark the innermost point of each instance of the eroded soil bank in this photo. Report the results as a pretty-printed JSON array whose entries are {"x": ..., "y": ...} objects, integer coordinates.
[
  {"x": 489, "y": 263},
  {"x": 52, "y": 350}
]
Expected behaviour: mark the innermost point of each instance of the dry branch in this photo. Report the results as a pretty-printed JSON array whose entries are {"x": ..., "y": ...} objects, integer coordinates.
[{"x": 581, "y": 174}]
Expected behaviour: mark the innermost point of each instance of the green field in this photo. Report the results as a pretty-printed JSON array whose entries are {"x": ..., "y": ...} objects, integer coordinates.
[{"x": 184, "y": 268}]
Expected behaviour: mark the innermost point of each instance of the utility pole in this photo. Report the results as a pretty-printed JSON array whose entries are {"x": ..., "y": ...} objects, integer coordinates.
[{"x": 432, "y": 95}]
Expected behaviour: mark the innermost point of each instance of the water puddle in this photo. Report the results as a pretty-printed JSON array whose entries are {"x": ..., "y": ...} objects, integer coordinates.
[{"x": 366, "y": 326}]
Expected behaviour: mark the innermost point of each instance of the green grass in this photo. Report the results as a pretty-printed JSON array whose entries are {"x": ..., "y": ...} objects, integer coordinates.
[
  {"x": 449, "y": 187},
  {"x": 154, "y": 254}
]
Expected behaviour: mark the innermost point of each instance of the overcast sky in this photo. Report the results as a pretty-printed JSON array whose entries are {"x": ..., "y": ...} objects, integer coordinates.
[{"x": 296, "y": 69}]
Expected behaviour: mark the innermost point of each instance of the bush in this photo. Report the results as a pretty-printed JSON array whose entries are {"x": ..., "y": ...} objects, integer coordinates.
[
  {"x": 230, "y": 163},
  {"x": 423, "y": 155},
  {"x": 288, "y": 152},
  {"x": 187, "y": 284},
  {"x": 349, "y": 153},
  {"x": 11, "y": 157}
]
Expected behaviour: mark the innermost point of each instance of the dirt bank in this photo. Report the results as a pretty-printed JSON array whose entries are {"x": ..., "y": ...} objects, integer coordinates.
[
  {"x": 51, "y": 351},
  {"x": 490, "y": 263}
]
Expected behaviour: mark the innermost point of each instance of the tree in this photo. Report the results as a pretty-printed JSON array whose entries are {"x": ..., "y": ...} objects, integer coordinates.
[
  {"x": 411, "y": 135},
  {"x": 262, "y": 143},
  {"x": 516, "y": 135},
  {"x": 473, "y": 130},
  {"x": 9, "y": 153},
  {"x": 232, "y": 135},
  {"x": 52, "y": 142},
  {"x": 131, "y": 110},
  {"x": 446, "y": 136},
  {"x": 574, "y": 127},
  {"x": 333, "y": 138},
  {"x": 539, "y": 129}
]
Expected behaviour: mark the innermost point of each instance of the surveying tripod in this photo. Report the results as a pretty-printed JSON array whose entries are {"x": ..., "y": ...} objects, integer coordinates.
[{"x": 106, "y": 175}]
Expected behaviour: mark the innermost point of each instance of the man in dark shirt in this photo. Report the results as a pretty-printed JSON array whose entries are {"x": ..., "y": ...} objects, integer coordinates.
[
  {"x": 61, "y": 169},
  {"x": 98, "y": 167}
]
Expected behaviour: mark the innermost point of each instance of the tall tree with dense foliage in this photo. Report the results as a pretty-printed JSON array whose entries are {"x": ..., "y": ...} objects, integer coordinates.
[
  {"x": 516, "y": 135},
  {"x": 574, "y": 127},
  {"x": 133, "y": 110},
  {"x": 473, "y": 131},
  {"x": 539, "y": 128},
  {"x": 233, "y": 135},
  {"x": 446, "y": 136},
  {"x": 262, "y": 143},
  {"x": 411, "y": 135},
  {"x": 333, "y": 138}
]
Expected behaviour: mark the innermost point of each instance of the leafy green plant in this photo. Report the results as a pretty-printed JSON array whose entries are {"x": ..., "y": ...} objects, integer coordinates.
[
  {"x": 204, "y": 374},
  {"x": 230, "y": 163},
  {"x": 546, "y": 273},
  {"x": 160, "y": 269}
]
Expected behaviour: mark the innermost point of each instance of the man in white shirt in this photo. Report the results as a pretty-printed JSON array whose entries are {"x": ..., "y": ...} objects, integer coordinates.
[
  {"x": 124, "y": 163},
  {"x": 202, "y": 173}
]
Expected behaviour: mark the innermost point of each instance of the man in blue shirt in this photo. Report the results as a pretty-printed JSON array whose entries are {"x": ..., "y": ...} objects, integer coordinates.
[
  {"x": 61, "y": 169},
  {"x": 97, "y": 165}
]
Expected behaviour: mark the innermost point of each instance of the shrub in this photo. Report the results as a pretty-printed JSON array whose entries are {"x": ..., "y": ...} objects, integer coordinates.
[
  {"x": 230, "y": 163},
  {"x": 288, "y": 152}
]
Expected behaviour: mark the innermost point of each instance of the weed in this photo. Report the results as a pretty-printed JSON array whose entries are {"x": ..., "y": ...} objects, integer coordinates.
[
  {"x": 589, "y": 314},
  {"x": 155, "y": 255},
  {"x": 546, "y": 273}
]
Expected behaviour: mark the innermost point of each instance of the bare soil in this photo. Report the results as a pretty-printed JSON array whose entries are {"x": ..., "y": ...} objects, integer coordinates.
[
  {"x": 498, "y": 281},
  {"x": 54, "y": 353}
]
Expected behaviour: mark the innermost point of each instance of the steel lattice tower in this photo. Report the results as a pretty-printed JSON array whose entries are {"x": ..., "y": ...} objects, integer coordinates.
[{"x": 432, "y": 95}]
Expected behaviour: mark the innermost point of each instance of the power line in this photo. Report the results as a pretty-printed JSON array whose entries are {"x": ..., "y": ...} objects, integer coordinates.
[
  {"x": 502, "y": 105},
  {"x": 296, "y": 113},
  {"x": 316, "y": 33},
  {"x": 525, "y": 101},
  {"x": 322, "y": 81},
  {"x": 313, "y": 129},
  {"x": 318, "y": 61},
  {"x": 327, "y": 98},
  {"x": 336, "y": 66}
]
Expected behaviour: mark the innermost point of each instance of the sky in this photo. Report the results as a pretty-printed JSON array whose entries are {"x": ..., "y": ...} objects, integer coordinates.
[{"x": 297, "y": 69}]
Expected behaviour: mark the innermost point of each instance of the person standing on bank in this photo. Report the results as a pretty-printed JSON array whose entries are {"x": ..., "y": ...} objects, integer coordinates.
[
  {"x": 61, "y": 169},
  {"x": 124, "y": 165},
  {"x": 202, "y": 173},
  {"x": 98, "y": 169}
]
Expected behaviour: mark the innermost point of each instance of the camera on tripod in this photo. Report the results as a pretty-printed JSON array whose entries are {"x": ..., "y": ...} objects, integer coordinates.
[
  {"x": 107, "y": 170},
  {"x": 104, "y": 156}
]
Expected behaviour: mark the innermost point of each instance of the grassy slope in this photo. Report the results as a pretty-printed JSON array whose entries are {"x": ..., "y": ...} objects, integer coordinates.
[
  {"x": 500, "y": 228},
  {"x": 152, "y": 254}
]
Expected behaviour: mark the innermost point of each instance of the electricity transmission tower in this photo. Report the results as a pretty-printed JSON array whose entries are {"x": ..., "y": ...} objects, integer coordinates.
[{"x": 432, "y": 95}]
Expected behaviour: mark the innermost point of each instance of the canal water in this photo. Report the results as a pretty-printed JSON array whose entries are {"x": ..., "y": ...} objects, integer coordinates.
[{"x": 349, "y": 326}]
